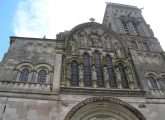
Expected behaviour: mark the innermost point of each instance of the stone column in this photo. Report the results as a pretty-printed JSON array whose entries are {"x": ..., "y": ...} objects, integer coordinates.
[
  {"x": 119, "y": 80},
  {"x": 81, "y": 82},
  {"x": 106, "y": 77},
  {"x": 68, "y": 75},
  {"x": 94, "y": 77}
]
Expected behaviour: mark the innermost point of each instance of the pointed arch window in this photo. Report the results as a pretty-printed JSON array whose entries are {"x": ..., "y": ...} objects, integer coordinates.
[
  {"x": 87, "y": 70},
  {"x": 74, "y": 73},
  {"x": 24, "y": 75},
  {"x": 112, "y": 78},
  {"x": 123, "y": 76},
  {"x": 153, "y": 83},
  {"x": 42, "y": 75},
  {"x": 99, "y": 70}
]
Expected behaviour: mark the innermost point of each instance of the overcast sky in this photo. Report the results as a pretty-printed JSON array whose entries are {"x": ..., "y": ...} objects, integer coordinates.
[{"x": 36, "y": 18}]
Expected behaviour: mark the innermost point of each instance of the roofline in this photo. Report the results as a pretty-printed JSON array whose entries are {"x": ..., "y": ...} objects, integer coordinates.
[
  {"x": 30, "y": 38},
  {"x": 121, "y": 5}
]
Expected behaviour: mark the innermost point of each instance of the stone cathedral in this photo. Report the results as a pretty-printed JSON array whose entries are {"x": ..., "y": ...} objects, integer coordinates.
[{"x": 109, "y": 71}]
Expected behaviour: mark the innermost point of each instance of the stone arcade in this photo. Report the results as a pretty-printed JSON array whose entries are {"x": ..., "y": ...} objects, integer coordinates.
[{"x": 109, "y": 71}]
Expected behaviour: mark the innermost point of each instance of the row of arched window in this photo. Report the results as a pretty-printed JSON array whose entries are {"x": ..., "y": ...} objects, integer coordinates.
[
  {"x": 26, "y": 72},
  {"x": 41, "y": 78},
  {"x": 156, "y": 83},
  {"x": 144, "y": 45},
  {"x": 97, "y": 71}
]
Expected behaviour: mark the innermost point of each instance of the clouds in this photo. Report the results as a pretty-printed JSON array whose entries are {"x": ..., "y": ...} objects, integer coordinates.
[
  {"x": 31, "y": 19},
  {"x": 36, "y": 18}
]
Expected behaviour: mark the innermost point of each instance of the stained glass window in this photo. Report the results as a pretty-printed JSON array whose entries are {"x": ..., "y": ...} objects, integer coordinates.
[
  {"x": 87, "y": 70},
  {"x": 123, "y": 76},
  {"x": 42, "y": 76},
  {"x": 74, "y": 73},
  {"x": 24, "y": 75},
  {"x": 99, "y": 70},
  {"x": 112, "y": 78}
]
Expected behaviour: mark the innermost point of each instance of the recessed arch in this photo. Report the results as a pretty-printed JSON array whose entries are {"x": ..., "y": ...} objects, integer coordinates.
[
  {"x": 93, "y": 25},
  {"x": 104, "y": 107}
]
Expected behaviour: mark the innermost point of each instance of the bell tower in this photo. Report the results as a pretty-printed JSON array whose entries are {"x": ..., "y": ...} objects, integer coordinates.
[{"x": 125, "y": 19}]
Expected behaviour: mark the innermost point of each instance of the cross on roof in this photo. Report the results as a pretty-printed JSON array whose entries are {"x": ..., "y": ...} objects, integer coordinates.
[{"x": 92, "y": 19}]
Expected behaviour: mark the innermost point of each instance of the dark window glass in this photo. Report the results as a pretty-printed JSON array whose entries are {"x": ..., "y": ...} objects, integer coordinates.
[
  {"x": 112, "y": 78},
  {"x": 136, "y": 28},
  {"x": 146, "y": 47},
  {"x": 74, "y": 73},
  {"x": 153, "y": 83},
  {"x": 99, "y": 70},
  {"x": 24, "y": 75},
  {"x": 134, "y": 45},
  {"x": 87, "y": 70},
  {"x": 125, "y": 27},
  {"x": 42, "y": 76},
  {"x": 123, "y": 76}
]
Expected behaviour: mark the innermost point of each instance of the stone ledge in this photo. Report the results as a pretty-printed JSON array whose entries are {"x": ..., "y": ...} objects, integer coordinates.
[
  {"x": 26, "y": 95},
  {"x": 102, "y": 92}
]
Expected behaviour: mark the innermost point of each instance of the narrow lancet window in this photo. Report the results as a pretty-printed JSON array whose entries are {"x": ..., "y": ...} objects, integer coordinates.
[
  {"x": 99, "y": 70},
  {"x": 123, "y": 76},
  {"x": 74, "y": 73},
  {"x": 87, "y": 70},
  {"x": 112, "y": 78}
]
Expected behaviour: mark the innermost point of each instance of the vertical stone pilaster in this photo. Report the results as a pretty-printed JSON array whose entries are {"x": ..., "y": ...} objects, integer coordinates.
[{"x": 57, "y": 72}]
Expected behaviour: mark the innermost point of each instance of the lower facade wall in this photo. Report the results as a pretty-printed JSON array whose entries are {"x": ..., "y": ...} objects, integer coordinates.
[{"x": 32, "y": 109}]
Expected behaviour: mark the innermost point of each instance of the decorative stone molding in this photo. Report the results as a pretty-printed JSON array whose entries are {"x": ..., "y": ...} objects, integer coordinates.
[{"x": 107, "y": 102}]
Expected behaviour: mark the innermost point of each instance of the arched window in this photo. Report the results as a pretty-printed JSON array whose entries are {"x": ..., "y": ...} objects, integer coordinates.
[
  {"x": 74, "y": 73},
  {"x": 123, "y": 76},
  {"x": 134, "y": 45},
  {"x": 24, "y": 76},
  {"x": 112, "y": 78},
  {"x": 99, "y": 70},
  {"x": 42, "y": 76},
  {"x": 87, "y": 70},
  {"x": 153, "y": 83}
]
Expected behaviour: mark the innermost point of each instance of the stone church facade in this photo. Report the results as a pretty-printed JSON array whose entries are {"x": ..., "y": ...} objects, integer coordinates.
[{"x": 109, "y": 71}]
